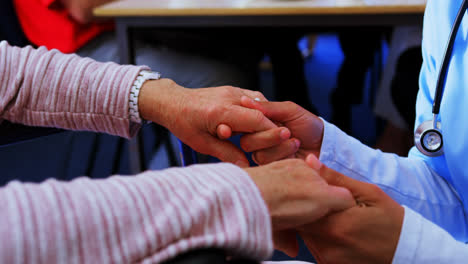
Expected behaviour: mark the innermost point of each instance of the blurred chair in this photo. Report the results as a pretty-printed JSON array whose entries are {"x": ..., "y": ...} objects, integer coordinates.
[{"x": 362, "y": 50}]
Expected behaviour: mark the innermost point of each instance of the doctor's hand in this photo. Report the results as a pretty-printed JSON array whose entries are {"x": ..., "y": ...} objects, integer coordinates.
[
  {"x": 296, "y": 195},
  {"x": 366, "y": 233},
  {"x": 299, "y": 132},
  {"x": 194, "y": 114}
]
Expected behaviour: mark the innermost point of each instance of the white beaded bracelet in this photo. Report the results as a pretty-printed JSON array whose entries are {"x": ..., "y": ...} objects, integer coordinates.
[{"x": 143, "y": 76}]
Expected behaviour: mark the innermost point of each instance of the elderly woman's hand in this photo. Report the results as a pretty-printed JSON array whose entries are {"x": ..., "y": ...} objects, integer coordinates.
[
  {"x": 296, "y": 195},
  {"x": 194, "y": 114},
  {"x": 365, "y": 233}
]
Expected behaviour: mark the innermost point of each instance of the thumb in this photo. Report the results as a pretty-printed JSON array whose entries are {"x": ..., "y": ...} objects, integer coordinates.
[
  {"x": 225, "y": 151},
  {"x": 223, "y": 131},
  {"x": 333, "y": 177},
  {"x": 339, "y": 198}
]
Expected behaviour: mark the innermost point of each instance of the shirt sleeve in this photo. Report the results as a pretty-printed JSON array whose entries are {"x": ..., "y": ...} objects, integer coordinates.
[
  {"x": 422, "y": 242},
  {"x": 148, "y": 218},
  {"x": 47, "y": 88},
  {"x": 409, "y": 181}
]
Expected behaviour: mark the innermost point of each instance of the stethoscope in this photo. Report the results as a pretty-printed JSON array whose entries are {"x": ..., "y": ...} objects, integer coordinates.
[{"x": 428, "y": 136}]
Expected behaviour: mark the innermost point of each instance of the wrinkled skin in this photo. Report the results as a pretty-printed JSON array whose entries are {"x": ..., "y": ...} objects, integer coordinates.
[
  {"x": 296, "y": 195},
  {"x": 193, "y": 115}
]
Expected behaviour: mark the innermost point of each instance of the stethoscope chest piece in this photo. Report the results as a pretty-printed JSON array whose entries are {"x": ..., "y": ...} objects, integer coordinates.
[
  {"x": 428, "y": 136},
  {"x": 428, "y": 139}
]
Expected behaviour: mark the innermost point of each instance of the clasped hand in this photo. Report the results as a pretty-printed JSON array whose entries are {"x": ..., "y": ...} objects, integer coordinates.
[
  {"x": 365, "y": 232},
  {"x": 193, "y": 115},
  {"x": 340, "y": 219}
]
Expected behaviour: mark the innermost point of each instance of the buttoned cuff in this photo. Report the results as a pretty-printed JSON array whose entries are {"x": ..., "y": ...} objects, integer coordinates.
[
  {"x": 328, "y": 149},
  {"x": 346, "y": 154}
]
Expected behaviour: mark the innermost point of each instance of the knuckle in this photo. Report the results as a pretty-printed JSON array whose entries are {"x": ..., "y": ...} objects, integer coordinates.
[
  {"x": 258, "y": 116},
  {"x": 229, "y": 89},
  {"x": 213, "y": 111},
  {"x": 258, "y": 94},
  {"x": 224, "y": 91},
  {"x": 292, "y": 106}
]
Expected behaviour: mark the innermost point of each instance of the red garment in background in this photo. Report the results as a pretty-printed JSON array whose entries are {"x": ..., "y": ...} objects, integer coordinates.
[{"x": 45, "y": 25}]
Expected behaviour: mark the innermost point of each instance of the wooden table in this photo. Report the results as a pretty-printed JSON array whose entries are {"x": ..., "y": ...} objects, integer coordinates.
[
  {"x": 133, "y": 14},
  {"x": 130, "y": 14},
  {"x": 257, "y": 7}
]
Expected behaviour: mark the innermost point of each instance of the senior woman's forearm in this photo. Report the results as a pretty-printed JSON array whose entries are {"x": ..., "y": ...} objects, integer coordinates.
[
  {"x": 47, "y": 88},
  {"x": 144, "y": 219}
]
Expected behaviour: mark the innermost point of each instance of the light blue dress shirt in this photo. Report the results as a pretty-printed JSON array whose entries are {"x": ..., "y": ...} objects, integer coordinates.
[
  {"x": 439, "y": 19},
  {"x": 434, "y": 191}
]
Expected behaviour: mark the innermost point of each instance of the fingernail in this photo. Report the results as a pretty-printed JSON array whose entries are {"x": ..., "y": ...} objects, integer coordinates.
[
  {"x": 284, "y": 134},
  {"x": 254, "y": 159},
  {"x": 313, "y": 162},
  {"x": 242, "y": 163},
  {"x": 298, "y": 143}
]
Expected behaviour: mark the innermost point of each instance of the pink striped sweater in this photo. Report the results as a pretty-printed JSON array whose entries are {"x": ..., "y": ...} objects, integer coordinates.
[{"x": 147, "y": 218}]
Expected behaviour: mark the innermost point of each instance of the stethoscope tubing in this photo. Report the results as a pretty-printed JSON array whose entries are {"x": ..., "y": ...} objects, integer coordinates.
[
  {"x": 442, "y": 77},
  {"x": 431, "y": 128}
]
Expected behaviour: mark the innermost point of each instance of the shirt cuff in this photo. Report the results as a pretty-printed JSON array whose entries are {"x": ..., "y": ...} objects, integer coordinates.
[
  {"x": 327, "y": 151},
  {"x": 410, "y": 237}
]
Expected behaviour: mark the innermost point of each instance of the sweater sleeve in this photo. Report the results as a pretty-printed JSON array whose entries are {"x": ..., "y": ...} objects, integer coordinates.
[
  {"x": 148, "y": 218},
  {"x": 47, "y": 88}
]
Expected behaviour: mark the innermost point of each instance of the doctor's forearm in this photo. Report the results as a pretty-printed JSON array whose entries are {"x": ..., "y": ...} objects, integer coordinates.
[{"x": 407, "y": 180}]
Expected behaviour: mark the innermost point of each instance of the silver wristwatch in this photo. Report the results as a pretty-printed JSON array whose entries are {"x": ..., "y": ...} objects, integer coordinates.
[{"x": 142, "y": 77}]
